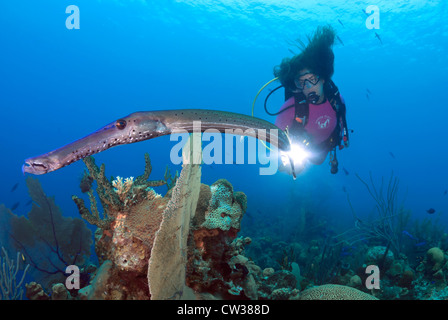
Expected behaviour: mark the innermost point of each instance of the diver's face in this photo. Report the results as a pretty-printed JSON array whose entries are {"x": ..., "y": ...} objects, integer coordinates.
[{"x": 311, "y": 85}]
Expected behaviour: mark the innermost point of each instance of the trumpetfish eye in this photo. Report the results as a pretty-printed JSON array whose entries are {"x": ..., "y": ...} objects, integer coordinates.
[{"x": 120, "y": 124}]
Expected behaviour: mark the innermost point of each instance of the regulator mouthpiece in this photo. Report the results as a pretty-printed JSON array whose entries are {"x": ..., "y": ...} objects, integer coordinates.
[{"x": 313, "y": 97}]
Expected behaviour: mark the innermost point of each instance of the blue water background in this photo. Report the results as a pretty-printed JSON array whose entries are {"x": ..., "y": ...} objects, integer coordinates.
[{"x": 58, "y": 85}]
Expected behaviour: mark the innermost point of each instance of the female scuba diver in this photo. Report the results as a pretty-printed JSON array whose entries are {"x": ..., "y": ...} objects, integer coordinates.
[{"x": 314, "y": 111}]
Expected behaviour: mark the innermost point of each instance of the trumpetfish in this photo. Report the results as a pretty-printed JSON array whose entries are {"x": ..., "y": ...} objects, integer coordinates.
[{"x": 144, "y": 125}]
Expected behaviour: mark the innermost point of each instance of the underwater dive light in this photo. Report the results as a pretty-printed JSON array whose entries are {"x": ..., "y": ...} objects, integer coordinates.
[{"x": 298, "y": 154}]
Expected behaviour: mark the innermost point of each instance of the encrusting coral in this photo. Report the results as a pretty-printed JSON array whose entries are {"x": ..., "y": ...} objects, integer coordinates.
[
  {"x": 216, "y": 264},
  {"x": 183, "y": 245},
  {"x": 225, "y": 208}
]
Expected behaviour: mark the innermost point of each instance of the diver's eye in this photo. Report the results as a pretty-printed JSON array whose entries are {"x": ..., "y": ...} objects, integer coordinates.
[{"x": 120, "y": 124}]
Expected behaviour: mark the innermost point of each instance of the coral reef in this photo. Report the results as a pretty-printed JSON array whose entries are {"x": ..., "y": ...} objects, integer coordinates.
[
  {"x": 186, "y": 238},
  {"x": 190, "y": 244}
]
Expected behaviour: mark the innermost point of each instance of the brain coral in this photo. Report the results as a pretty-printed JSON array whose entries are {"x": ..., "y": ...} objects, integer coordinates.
[
  {"x": 334, "y": 292},
  {"x": 225, "y": 208},
  {"x": 436, "y": 258}
]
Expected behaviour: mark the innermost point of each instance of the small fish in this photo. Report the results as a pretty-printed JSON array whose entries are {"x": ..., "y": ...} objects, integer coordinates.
[
  {"x": 23, "y": 257},
  {"x": 446, "y": 191},
  {"x": 364, "y": 12},
  {"x": 391, "y": 154},
  {"x": 341, "y": 23},
  {"x": 340, "y": 40},
  {"x": 409, "y": 235},
  {"x": 29, "y": 202},
  {"x": 367, "y": 96},
  {"x": 368, "y": 91},
  {"x": 344, "y": 189},
  {"x": 14, "y": 206},
  {"x": 345, "y": 171},
  {"x": 14, "y": 187},
  {"x": 378, "y": 36},
  {"x": 431, "y": 210}
]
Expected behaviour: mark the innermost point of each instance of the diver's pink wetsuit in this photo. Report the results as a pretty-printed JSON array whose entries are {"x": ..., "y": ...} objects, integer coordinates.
[{"x": 321, "y": 122}]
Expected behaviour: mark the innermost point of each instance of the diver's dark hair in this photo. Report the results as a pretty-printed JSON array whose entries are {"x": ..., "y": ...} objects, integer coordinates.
[{"x": 317, "y": 56}]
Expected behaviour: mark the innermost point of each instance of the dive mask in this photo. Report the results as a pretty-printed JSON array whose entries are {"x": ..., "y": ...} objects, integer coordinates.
[{"x": 309, "y": 82}]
